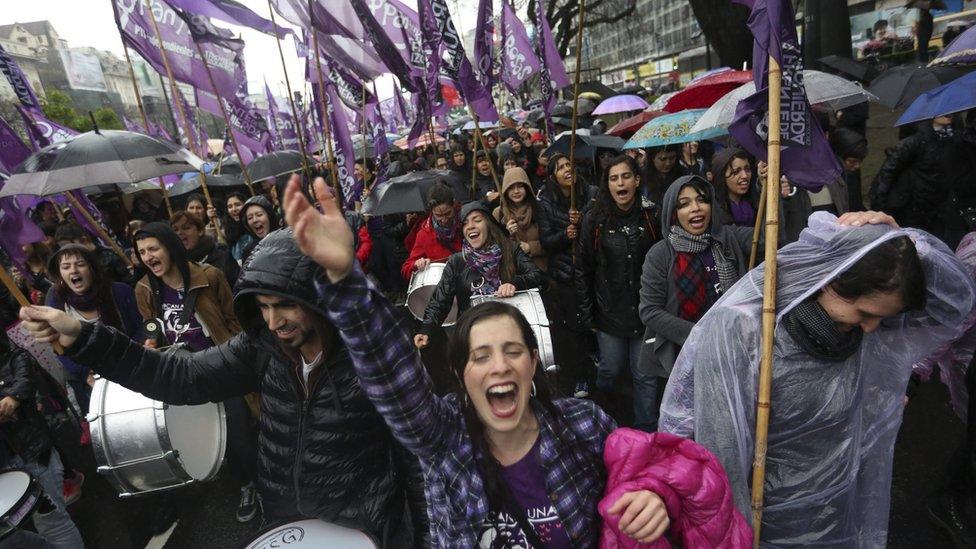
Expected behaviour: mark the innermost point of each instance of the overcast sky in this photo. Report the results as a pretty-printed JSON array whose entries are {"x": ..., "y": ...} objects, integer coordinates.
[{"x": 91, "y": 23}]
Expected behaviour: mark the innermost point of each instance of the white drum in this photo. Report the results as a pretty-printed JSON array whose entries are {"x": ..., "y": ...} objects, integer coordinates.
[
  {"x": 19, "y": 494},
  {"x": 312, "y": 533},
  {"x": 422, "y": 286},
  {"x": 529, "y": 303},
  {"x": 144, "y": 446}
]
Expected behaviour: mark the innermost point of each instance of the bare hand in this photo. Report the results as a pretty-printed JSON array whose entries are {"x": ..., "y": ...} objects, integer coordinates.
[
  {"x": 512, "y": 227},
  {"x": 421, "y": 264},
  {"x": 90, "y": 380},
  {"x": 525, "y": 247},
  {"x": 149, "y": 343},
  {"x": 643, "y": 515},
  {"x": 420, "y": 340},
  {"x": 505, "y": 290},
  {"x": 47, "y": 325},
  {"x": 575, "y": 217},
  {"x": 492, "y": 196},
  {"x": 572, "y": 232},
  {"x": 763, "y": 171},
  {"x": 325, "y": 237},
  {"x": 784, "y": 187},
  {"x": 856, "y": 219},
  {"x": 8, "y": 407}
]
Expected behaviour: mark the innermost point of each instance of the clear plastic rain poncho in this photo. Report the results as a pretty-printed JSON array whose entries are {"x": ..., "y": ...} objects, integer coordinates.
[{"x": 833, "y": 424}]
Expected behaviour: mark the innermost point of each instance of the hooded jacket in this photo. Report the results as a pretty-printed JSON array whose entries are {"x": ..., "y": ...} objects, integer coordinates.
[
  {"x": 426, "y": 244},
  {"x": 530, "y": 233},
  {"x": 666, "y": 331},
  {"x": 211, "y": 252},
  {"x": 323, "y": 450},
  {"x": 262, "y": 202},
  {"x": 208, "y": 292},
  {"x": 28, "y": 435}
]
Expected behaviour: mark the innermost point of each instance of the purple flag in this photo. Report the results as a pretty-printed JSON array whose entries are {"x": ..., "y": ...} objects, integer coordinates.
[
  {"x": 401, "y": 106},
  {"x": 402, "y": 25},
  {"x": 131, "y": 126},
  {"x": 21, "y": 86},
  {"x": 483, "y": 37},
  {"x": 380, "y": 145},
  {"x": 382, "y": 44},
  {"x": 457, "y": 67},
  {"x": 518, "y": 60},
  {"x": 16, "y": 228},
  {"x": 182, "y": 109},
  {"x": 13, "y": 151},
  {"x": 248, "y": 126},
  {"x": 301, "y": 47},
  {"x": 181, "y": 52},
  {"x": 806, "y": 157},
  {"x": 553, "y": 74},
  {"x": 345, "y": 153},
  {"x": 272, "y": 117},
  {"x": 350, "y": 89},
  {"x": 428, "y": 83},
  {"x": 231, "y": 12}
]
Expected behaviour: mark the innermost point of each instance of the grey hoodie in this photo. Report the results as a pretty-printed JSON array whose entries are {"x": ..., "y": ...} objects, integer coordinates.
[{"x": 665, "y": 331}]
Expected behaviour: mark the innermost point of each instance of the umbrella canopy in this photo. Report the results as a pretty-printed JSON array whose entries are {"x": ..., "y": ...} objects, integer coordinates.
[
  {"x": 191, "y": 182},
  {"x": 626, "y": 127},
  {"x": 671, "y": 129},
  {"x": 586, "y": 145},
  {"x": 961, "y": 51},
  {"x": 273, "y": 164},
  {"x": 956, "y": 96},
  {"x": 422, "y": 141},
  {"x": 408, "y": 193},
  {"x": 660, "y": 102},
  {"x": 897, "y": 88},
  {"x": 821, "y": 88},
  {"x": 584, "y": 106},
  {"x": 704, "y": 92},
  {"x": 96, "y": 158},
  {"x": 847, "y": 66},
  {"x": 469, "y": 126},
  {"x": 621, "y": 103}
]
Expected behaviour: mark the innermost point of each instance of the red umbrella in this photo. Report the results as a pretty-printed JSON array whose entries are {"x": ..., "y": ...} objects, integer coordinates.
[
  {"x": 703, "y": 93},
  {"x": 628, "y": 126}
]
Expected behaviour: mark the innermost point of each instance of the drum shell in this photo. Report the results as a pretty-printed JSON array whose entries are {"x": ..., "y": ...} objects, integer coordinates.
[
  {"x": 132, "y": 442},
  {"x": 529, "y": 303},
  {"x": 421, "y": 288},
  {"x": 12, "y": 517},
  {"x": 311, "y": 533}
]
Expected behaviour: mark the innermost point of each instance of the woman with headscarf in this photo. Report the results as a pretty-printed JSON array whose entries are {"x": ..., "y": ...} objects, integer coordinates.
[
  {"x": 438, "y": 236},
  {"x": 859, "y": 301},
  {"x": 518, "y": 213},
  {"x": 489, "y": 264}
]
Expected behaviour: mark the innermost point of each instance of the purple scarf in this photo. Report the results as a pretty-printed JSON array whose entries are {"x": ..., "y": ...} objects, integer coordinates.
[
  {"x": 447, "y": 235},
  {"x": 87, "y": 301},
  {"x": 487, "y": 262}
]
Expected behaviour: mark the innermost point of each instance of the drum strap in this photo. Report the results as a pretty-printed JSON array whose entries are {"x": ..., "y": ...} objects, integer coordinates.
[{"x": 518, "y": 513}]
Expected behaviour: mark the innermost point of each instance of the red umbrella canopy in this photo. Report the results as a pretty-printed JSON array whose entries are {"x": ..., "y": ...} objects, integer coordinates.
[
  {"x": 628, "y": 126},
  {"x": 704, "y": 92}
]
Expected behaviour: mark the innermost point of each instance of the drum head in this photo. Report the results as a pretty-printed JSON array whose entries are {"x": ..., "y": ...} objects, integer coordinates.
[
  {"x": 13, "y": 486},
  {"x": 198, "y": 434},
  {"x": 312, "y": 533}
]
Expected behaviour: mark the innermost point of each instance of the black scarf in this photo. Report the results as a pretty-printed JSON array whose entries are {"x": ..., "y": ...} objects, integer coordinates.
[{"x": 812, "y": 328}]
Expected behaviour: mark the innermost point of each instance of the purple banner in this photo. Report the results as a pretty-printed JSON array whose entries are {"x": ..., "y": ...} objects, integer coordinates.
[
  {"x": 137, "y": 31},
  {"x": 484, "y": 35},
  {"x": 402, "y": 25},
  {"x": 13, "y": 151},
  {"x": 18, "y": 81},
  {"x": 403, "y": 117},
  {"x": 382, "y": 43},
  {"x": 430, "y": 88},
  {"x": 187, "y": 119},
  {"x": 553, "y": 74},
  {"x": 518, "y": 60},
  {"x": 248, "y": 126},
  {"x": 806, "y": 157},
  {"x": 345, "y": 153},
  {"x": 381, "y": 147},
  {"x": 230, "y": 11},
  {"x": 457, "y": 67},
  {"x": 16, "y": 228}
]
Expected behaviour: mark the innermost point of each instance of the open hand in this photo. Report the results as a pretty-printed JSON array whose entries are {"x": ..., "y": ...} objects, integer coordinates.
[
  {"x": 325, "y": 237},
  {"x": 421, "y": 264},
  {"x": 643, "y": 515},
  {"x": 857, "y": 219},
  {"x": 49, "y": 325}
]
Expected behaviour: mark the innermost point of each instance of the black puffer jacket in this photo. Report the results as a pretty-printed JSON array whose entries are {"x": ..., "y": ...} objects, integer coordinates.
[
  {"x": 323, "y": 450},
  {"x": 612, "y": 249},
  {"x": 552, "y": 226},
  {"x": 28, "y": 436},
  {"x": 458, "y": 281},
  {"x": 217, "y": 255}
]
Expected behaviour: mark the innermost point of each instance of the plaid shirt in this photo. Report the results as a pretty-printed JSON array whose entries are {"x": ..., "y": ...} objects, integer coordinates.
[{"x": 394, "y": 378}]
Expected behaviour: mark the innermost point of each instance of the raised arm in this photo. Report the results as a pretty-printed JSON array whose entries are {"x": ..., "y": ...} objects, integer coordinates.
[{"x": 377, "y": 337}]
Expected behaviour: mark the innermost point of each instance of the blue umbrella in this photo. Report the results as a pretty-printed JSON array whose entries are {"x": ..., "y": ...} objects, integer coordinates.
[
  {"x": 956, "y": 96},
  {"x": 672, "y": 129}
]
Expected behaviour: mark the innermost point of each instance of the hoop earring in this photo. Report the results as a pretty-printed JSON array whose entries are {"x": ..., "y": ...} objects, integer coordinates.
[{"x": 532, "y": 392}]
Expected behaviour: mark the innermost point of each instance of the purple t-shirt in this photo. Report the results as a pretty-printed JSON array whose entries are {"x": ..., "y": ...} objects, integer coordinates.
[
  {"x": 526, "y": 481},
  {"x": 190, "y": 333},
  {"x": 743, "y": 214}
]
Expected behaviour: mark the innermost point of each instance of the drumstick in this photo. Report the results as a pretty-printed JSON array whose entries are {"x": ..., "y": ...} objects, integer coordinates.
[{"x": 22, "y": 300}]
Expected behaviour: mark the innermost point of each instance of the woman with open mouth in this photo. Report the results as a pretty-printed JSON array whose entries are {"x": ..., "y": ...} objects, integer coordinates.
[
  {"x": 616, "y": 235},
  {"x": 203, "y": 248},
  {"x": 259, "y": 219},
  {"x": 83, "y": 290},
  {"x": 238, "y": 239},
  {"x": 489, "y": 263}
]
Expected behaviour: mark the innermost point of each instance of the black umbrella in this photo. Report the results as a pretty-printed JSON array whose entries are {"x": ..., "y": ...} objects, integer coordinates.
[
  {"x": 191, "y": 183},
  {"x": 847, "y": 66},
  {"x": 535, "y": 116},
  {"x": 97, "y": 158},
  {"x": 633, "y": 89},
  {"x": 595, "y": 86},
  {"x": 408, "y": 193},
  {"x": 586, "y": 145},
  {"x": 274, "y": 164},
  {"x": 562, "y": 109},
  {"x": 897, "y": 88}
]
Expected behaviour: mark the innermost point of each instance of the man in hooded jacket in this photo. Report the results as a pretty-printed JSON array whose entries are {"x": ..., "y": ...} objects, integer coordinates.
[{"x": 323, "y": 450}]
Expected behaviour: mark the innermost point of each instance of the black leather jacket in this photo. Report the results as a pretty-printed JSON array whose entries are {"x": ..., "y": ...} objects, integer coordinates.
[
  {"x": 552, "y": 227},
  {"x": 28, "y": 436},
  {"x": 323, "y": 450},
  {"x": 458, "y": 282}
]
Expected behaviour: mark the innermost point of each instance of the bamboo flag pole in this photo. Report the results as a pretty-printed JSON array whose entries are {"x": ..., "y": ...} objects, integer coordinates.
[
  {"x": 333, "y": 165},
  {"x": 206, "y": 194},
  {"x": 769, "y": 300},
  {"x": 365, "y": 128},
  {"x": 474, "y": 164},
  {"x": 22, "y": 300},
  {"x": 145, "y": 121},
  {"x": 576, "y": 83},
  {"x": 223, "y": 112},
  {"x": 291, "y": 98},
  {"x": 760, "y": 216}
]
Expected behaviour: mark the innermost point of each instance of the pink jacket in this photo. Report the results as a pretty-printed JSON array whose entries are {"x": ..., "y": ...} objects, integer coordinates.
[{"x": 688, "y": 478}]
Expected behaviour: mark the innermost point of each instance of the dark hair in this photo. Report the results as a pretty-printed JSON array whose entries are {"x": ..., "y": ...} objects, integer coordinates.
[
  {"x": 368, "y": 162},
  {"x": 604, "y": 201},
  {"x": 195, "y": 197},
  {"x": 655, "y": 182},
  {"x": 498, "y": 235},
  {"x": 237, "y": 195},
  {"x": 892, "y": 266},
  {"x": 37, "y": 252},
  {"x": 108, "y": 313},
  {"x": 506, "y": 158},
  {"x": 71, "y": 231},
  {"x": 878, "y": 24},
  {"x": 183, "y": 215},
  {"x": 48, "y": 228},
  {"x": 439, "y": 193},
  {"x": 722, "y": 189}
]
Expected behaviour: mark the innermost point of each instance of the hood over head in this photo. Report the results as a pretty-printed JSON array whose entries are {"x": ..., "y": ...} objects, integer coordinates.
[
  {"x": 848, "y": 143},
  {"x": 721, "y": 160},
  {"x": 276, "y": 267},
  {"x": 516, "y": 175},
  {"x": 259, "y": 201},
  {"x": 669, "y": 204},
  {"x": 168, "y": 238}
]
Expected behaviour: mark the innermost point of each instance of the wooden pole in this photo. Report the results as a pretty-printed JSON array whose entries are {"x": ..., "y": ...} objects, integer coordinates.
[
  {"x": 145, "y": 121},
  {"x": 291, "y": 99},
  {"x": 206, "y": 194},
  {"x": 760, "y": 216},
  {"x": 576, "y": 83},
  {"x": 22, "y": 300},
  {"x": 474, "y": 162},
  {"x": 98, "y": 228},
  {"x": 769, "y": 301},
  {"x": 326, "y": 131},
  {"x": 223, "y": 112}
]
